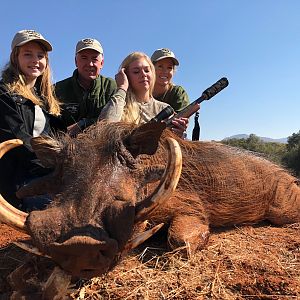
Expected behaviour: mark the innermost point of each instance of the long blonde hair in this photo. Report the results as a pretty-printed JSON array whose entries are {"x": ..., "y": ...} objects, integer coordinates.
[
  {"x": 16, "y": 83},
  {"x": 131, "y": 110}
]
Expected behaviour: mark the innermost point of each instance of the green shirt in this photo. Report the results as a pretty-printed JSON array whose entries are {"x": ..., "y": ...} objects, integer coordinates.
[
  {"x": 176, "y": 97},
  {"x": 80, "y": 104}
]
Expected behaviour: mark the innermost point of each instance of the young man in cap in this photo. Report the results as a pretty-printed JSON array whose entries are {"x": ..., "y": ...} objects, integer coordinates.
[{"x": 85, "y": 93}]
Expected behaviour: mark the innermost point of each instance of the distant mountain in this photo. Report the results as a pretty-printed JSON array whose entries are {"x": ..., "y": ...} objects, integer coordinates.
[{"x": 264, "y": 139}]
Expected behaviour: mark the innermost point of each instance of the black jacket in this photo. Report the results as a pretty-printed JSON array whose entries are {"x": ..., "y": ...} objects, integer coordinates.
[{"x": 16, "y": 122}]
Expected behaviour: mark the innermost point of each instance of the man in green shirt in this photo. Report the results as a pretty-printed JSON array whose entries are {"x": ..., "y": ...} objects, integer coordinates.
[{"x": 85, "y": 93}]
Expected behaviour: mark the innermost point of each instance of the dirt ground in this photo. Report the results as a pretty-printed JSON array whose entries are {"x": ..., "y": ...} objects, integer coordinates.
[{"x": 261, "y": 262}]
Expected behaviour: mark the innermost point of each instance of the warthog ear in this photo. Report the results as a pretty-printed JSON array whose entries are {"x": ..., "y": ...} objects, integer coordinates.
[
  {"x": 46, "y": 149},
  {"x": 144, "y": 139}
]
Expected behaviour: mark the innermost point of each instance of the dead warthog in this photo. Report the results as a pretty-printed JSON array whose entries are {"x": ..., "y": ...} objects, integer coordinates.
[{"x": 111, "y": 178}]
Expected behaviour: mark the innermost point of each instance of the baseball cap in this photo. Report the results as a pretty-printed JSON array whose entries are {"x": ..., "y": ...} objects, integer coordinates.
[
  {"x": 89, "y": 44},
  {"x": 24, "y": 36},
  {"x": 164, "y": 53}
]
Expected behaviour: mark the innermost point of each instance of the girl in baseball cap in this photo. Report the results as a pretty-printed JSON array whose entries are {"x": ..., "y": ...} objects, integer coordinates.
[
  {"x": 28, "y": 72},
  {"x": 28, "y": 108},
  {"x": 165, "y": 62}
]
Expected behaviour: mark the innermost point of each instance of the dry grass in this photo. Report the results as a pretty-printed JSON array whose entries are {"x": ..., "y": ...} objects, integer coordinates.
[
  {"x": 243, "y": 263},
  {"x": 260, "y": 262}
]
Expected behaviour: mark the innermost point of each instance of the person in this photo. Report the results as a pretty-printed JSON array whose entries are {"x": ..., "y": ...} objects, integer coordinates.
[
  {"x": 133, "y": 101},
  {"x": 86, "y": 92},
  {"x": 165, "y": 62},
  {"x": 28, "y": 108}
]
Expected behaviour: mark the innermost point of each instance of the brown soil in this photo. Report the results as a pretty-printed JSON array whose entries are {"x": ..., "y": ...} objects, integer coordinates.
[{"x": 260, "y": 262}]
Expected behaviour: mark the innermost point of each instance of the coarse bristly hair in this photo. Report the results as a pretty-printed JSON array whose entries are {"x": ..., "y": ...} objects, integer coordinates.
[{"x": 224, "y": 184}]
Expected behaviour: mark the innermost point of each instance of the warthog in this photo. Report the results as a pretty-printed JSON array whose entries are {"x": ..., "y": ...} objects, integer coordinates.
[{"x": 111, "y": 178}]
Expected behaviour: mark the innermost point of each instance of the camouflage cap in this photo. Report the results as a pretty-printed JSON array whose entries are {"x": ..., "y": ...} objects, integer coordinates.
[
  {"x": 89, "y": 44},
  {"x": 164, "y": 53},
  {"x": 24, "y": 36}
]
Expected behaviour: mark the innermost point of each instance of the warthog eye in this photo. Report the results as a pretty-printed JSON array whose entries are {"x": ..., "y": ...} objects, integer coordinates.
[{"x": 121, "y": 199}]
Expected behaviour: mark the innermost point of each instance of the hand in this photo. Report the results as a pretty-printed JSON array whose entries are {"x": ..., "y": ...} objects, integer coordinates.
[
  {"x": 180, "y": 125},
  {"x": 73, "y": 130},
  {"x": 122, "y": 80}
]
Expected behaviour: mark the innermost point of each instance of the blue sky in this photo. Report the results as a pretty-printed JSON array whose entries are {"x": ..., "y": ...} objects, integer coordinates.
[{"x": 255, "y": 44}]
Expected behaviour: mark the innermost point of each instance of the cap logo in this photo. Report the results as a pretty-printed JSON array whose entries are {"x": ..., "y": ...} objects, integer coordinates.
[
  {"x": 166, "y": 51},
  {"x": 88, "y": 41},
  {"x": 32, "y": 33}
]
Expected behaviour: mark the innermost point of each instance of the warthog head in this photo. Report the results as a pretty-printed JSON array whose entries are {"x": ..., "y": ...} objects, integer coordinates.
[{"x": 99, "y": 183}]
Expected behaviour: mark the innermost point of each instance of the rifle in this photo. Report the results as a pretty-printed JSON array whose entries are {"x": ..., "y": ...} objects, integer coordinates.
[{"x": 195, "y": 105}]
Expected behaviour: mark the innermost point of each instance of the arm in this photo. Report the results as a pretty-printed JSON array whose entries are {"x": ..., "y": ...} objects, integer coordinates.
[{"x": 114, "y": 109}]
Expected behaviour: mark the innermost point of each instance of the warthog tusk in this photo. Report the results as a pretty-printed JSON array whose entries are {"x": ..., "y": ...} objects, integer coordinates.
[
  {"x": 142, "y": 237},
  {"x": 8, "y": 213},
  {"x": 30, "y": 249},
  {"x": 12, "y": 216},
  {"x": 8, "y": 145},
  {"x": 167, "y": 184}
]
